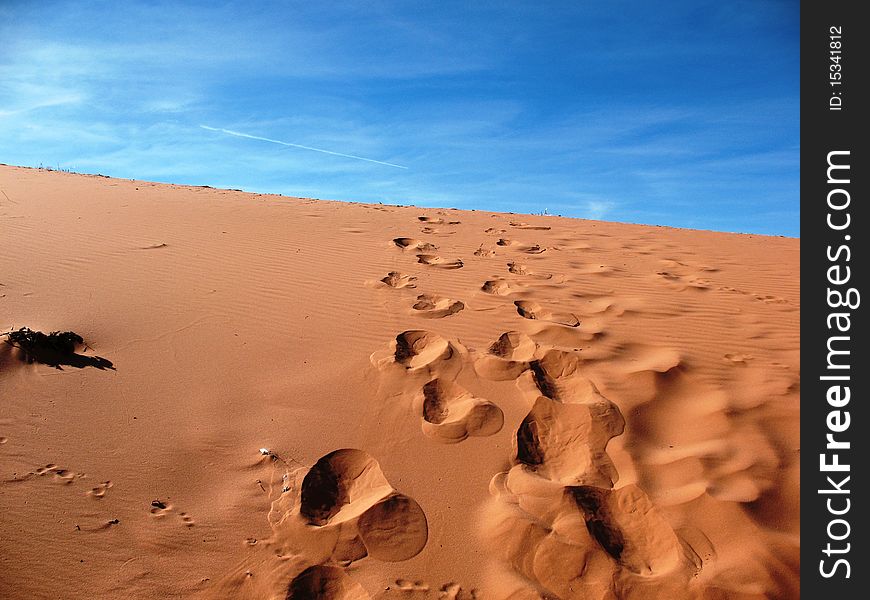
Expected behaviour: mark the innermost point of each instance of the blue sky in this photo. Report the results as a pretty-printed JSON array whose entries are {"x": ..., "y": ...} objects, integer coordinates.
[{"x": 670, "y": 113}]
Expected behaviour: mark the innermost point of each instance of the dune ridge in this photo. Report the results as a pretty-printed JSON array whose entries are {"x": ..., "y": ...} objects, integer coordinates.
[{"x": 314, "y": 399}]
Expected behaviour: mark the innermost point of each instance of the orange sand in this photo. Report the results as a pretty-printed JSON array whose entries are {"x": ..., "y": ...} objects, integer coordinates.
[{"x": 315, "y": 399}]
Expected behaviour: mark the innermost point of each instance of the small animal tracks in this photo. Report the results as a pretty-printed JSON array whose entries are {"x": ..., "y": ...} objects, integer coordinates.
[
  {"x": 160, "y": 510},
  {"x": 447, "y": 591},
  {"x": 99, "y": 491},
  {"x": 55, "y": 473},
  {"x": 766, "y": 298},
  {"x": 683, "y": 282}
]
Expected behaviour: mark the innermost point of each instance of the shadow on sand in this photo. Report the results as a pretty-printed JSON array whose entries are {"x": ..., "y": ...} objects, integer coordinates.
[{"x": 56, "y": 350}]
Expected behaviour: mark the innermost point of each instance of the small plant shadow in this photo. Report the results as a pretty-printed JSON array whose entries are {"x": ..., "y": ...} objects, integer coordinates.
[{"x": 56, "y": 349}]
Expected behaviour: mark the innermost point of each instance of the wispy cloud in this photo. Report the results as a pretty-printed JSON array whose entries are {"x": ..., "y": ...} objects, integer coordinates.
[
  {"x": 517, "y": 109},
  {"x": 265, "y": 139},
  {"x": 598, "y": 209}
]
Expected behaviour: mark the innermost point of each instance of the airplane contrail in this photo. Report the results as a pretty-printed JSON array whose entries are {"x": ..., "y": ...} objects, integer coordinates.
[{"x": 264, "y": 139}]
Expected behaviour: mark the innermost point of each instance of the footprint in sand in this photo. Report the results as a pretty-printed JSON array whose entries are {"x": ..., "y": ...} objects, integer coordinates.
[
  {"x": 627, "y": 526},
  {"x": 447, "y": 591},
  {"x": 521, "y": 269},
  {"x": 513, "y": 346},
  {"x": 557, "y": 374},
  {"x": 437, "y": 220},
  {"x": 532, "y": 310},
  {"x": 62, "y": 476},
  {"x": 581, "y": 268},
  {"x": 533, "y": 249},
  {"x": 160, "y": 509},
  {"x": 737, "y": 358},
  {"x": 501, "y": 287},
  {"x": 406, "y": 585},
  {"x": 507, "y": 358},
  {"x": 99, "y": 491},
  {"x": 437, "y": 261},
  {"x": 413, "y": 244},
  {"x": 561, "y": 525},
  {"x": 769, "y": 299},
  {"x": 415, "y": 349},
  {"x": 450, "y": 413},
  {"x": 484, "y": 252},
  {"x": 684, "y": 282},
  {"x": 520, "y": 225},
  {"x": 346, "y": 489},
  {"x": 436, "y": 307},
  {"x": 397, "y": 280},
  {"x": 322, "y": 582},
  {"x": 565, "y": 443}
]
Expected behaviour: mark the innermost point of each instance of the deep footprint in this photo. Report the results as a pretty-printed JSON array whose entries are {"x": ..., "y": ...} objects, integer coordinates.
[
  {"x": 348, "y": 486},
  {"x": 566, "y": 443},
  {"x": 507, "y": 358},
  {"x": 451, "y": 413},
  {"x": 629, "y": 528},
  {"x": 418, "y": 348},
  {"x": 325, "y": 583}
]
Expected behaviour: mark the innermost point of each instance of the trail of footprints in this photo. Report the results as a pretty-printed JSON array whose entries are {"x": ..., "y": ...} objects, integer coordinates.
[
  {"x": 434, "y": 306},
  {"x": 561, "y": 476},
  {"x": 99, "y": 491},
  {"x": 561, "y": 526}
]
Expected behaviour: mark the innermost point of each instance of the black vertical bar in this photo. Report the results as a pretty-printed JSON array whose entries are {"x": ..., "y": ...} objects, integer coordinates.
[{"x": 834, "y": 262}]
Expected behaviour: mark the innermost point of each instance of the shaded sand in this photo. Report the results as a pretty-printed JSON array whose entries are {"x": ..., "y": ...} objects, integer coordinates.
[{"x": 309, "y": 399}]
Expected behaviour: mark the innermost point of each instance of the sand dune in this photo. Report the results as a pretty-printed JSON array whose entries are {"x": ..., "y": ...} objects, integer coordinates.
[{"x": 291, "y": 398}]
